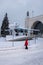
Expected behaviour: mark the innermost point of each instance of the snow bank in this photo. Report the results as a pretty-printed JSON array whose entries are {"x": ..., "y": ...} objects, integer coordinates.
[
  {"x": 18, "y": 55},
  {"x": 9, "y": 37}
]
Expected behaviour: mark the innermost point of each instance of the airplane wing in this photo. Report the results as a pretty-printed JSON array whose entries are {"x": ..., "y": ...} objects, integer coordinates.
[
  {"x": 20, "y": 38},
  {"x": 33, "y": 30}
]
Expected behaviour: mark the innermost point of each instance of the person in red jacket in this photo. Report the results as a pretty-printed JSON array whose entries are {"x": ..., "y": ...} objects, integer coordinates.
[{"x": 26, "y": 44}]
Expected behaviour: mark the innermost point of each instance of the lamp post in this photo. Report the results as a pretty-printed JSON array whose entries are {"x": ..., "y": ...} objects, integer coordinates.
[
  {"x": 12, "y": 28},
  {"x": 32, "y": 13}
]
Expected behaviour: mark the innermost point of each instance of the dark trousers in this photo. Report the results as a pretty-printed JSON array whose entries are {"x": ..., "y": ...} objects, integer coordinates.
[{"x": 26, "y": 47}]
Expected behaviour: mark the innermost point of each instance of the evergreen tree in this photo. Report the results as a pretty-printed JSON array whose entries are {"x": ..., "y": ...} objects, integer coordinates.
[{"x": 5, "y": 26}]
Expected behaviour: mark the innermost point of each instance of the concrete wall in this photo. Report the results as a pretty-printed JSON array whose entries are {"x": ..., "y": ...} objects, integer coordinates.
[{"x": 30, "y": 21}]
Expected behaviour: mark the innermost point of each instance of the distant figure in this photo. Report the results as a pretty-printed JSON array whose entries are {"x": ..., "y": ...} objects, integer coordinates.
[{"x": 26, "y": 44}]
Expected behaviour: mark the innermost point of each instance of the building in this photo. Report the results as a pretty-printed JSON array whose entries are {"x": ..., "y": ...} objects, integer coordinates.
[{"x": 34, "y": 22}]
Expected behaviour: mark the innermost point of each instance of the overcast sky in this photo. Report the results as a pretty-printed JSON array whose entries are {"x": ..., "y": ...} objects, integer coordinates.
[{"x": 17, "y": 9}]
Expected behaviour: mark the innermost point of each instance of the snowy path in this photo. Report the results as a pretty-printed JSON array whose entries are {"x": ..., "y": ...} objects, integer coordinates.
[{"x": 20, "y": 56}]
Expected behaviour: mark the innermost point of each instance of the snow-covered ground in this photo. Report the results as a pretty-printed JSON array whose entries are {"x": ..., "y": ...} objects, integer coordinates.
[{"x": 18, "y": 55}]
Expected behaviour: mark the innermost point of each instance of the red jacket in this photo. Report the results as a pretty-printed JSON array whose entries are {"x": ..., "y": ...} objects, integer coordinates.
[{"x": 26, "y": 42}]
